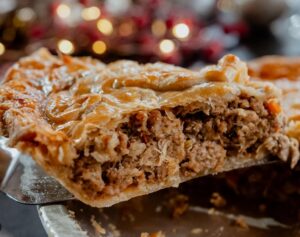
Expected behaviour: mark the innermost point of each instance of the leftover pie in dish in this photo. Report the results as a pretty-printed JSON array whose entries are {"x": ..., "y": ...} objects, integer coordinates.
[
  {"x": 112, "y": 132},
  {"x": 284, "y": 72}
]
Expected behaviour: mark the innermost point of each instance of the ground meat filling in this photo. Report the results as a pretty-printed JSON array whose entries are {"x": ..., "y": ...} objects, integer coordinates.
[{"x": 154, "y": 146}]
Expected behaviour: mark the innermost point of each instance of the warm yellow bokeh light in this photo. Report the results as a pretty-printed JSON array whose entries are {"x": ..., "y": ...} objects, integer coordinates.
[
  {"x": 158, "y": 28},
  {"x": 166, "y": 46},
  {"x": 105, "y": 26},
  {"x": 2, "y": 49},
  {"x": 90, "y": 13},
  {"x": 65, "y": 46},
  {"x": 99, "y": 47},
  {"x": 63, "y": 11},
  {"x": 181, "y": 31}
]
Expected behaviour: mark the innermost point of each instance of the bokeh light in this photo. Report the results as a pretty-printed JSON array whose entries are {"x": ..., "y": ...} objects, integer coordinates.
[
  {"x": 26, "y": 14},
  {"x": 126, "y": 28},
  {"x": 2, "y": 49},
  {"x": 63, "y": 11},
  {"x": 181, "y": 31},
  {"x": 90, "y": 13},
  {"x": 65, "y": 46},
  {"x": 99, "y": 47},
  {"x": 158, "y": 28},
  {"x": 105, "y": 26},
  {"x": 166, "y": 46}
]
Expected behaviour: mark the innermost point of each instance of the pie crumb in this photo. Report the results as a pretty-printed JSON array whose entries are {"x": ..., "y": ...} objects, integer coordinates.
[
  {"x": 179, "y": 205},
  {"x": 155, "y": 234},
  {"x": 217, "y": 200},
  {"x": 196, "y": 231},
  {"x": 212, "y": 211},
  {"x": 241, "y": 222},
  {"x": 114, "y": 230},
  {"x": 97, "y": 226}
]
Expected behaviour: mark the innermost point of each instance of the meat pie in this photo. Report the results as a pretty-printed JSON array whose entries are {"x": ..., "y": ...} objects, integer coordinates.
[{"x": 112, "y": 132}]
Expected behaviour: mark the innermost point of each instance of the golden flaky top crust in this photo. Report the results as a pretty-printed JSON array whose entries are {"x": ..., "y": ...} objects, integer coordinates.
[{"x": 47, "y": 104}]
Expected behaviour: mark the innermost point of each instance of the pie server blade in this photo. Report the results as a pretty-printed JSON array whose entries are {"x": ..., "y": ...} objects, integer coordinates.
[{"x": 25, "y": 182}]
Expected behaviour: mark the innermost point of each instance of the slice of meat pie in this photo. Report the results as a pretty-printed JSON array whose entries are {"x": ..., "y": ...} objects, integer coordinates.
[{"x": 112, "y": 132}]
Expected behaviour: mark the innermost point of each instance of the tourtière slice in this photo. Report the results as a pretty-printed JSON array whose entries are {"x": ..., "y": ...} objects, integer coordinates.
[{"x": 112, "y": 132}]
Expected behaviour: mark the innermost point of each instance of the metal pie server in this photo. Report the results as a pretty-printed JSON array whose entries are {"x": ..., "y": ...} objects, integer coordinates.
[{"x": 23, "y": 181}]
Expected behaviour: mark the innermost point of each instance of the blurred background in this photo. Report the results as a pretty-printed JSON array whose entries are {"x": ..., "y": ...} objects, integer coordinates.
[
  {"x": 188, "y": 33},
  {"x": 178, "y": 32}
]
